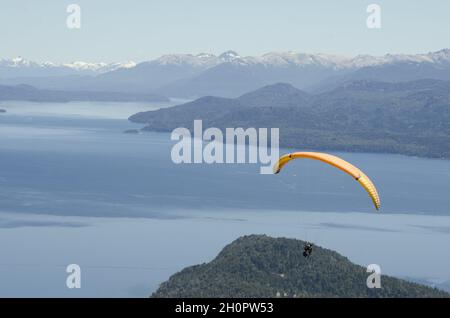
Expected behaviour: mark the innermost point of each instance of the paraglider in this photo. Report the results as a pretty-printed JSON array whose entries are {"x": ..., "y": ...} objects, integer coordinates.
[
  {"x": 307, "y": 250},
  {"x": 336, "y": 162}
]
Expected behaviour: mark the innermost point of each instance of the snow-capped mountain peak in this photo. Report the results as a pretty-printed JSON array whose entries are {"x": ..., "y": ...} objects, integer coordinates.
[
  {"x": 15, "y": 62},
  {"x": 205, "y": 56},
  {"x": 229, "y": 56},
  {"x": 99, "y": 67},
  {"x": 200, "y": 60},
  {"x": 19, "y": 66},
  {"x": 19, "y": 61},
  {"x": 79, "y": 65}
]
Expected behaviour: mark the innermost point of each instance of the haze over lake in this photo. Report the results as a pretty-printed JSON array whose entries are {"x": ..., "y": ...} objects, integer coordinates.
[{"x": 75, "y": 189}]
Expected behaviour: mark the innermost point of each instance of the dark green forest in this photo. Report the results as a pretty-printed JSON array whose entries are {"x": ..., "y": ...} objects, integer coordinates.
[{"x": 261, "y": 266}]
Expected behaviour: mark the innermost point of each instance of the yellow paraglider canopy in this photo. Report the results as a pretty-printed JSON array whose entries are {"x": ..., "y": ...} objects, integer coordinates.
[{"x": 337, "y": 162}]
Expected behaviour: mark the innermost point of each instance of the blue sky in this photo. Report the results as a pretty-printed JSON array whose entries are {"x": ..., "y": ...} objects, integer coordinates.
[{"x": 141, "y": 30}]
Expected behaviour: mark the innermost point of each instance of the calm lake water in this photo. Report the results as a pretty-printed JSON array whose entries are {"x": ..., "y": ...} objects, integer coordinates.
[{"x": 75, "y": 189}]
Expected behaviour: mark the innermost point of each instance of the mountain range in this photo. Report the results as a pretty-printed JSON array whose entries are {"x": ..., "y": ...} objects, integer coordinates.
[
  {"x": 411, "y": 118},
  {"x": 21, "y": 67},
  {"x": 265, "y": 267},
  {"x": 228, "y": 74}
]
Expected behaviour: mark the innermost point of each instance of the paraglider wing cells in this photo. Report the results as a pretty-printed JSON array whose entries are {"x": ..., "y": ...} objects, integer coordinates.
[{"x": 338, "y": 163}]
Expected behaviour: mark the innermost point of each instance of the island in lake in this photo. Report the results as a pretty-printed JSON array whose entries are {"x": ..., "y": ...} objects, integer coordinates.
[{"x": 132, "y": 131}]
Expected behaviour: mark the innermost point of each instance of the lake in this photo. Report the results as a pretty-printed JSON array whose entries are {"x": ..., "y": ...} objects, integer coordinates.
[{"x": 75, "y": 189}]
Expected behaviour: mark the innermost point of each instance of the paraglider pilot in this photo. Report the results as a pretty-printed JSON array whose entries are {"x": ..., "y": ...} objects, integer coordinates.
[{"x": 307, "y": 250}]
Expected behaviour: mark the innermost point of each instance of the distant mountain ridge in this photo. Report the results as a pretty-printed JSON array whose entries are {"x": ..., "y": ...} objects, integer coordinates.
[
  {"x": 411, "y": 118},
  {"x": 29, "y": 93},
  {"x": 311, "y": 72},
  {"x": 21, "y": 67},
  {"x": 261, "y": 266},
  {"x": 228, "y": 74},
  {"x": 441, "y": 57}
]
